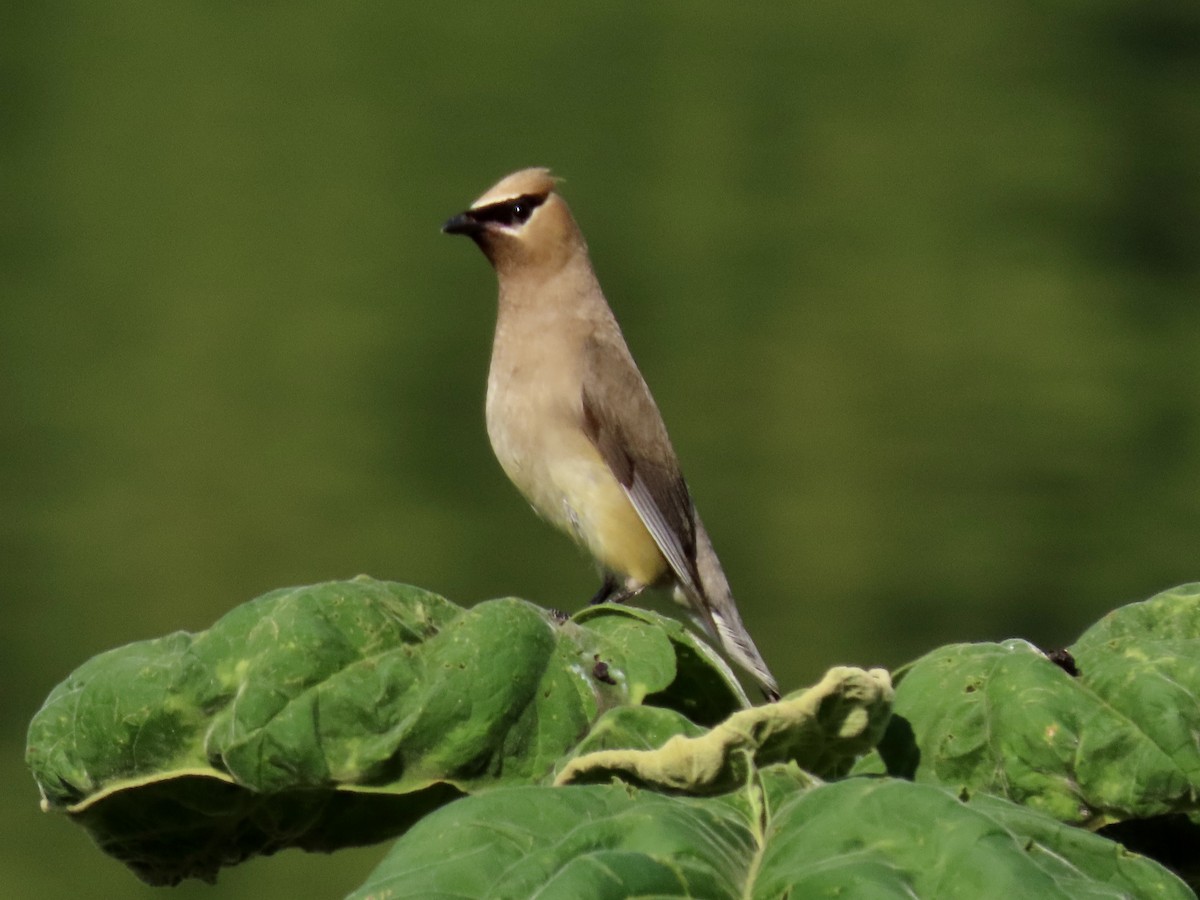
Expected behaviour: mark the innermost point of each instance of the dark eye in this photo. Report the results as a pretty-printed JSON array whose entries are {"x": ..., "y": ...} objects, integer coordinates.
[
  {"x": 522, "y": 208},
  {"x": 509, "y": 212}
]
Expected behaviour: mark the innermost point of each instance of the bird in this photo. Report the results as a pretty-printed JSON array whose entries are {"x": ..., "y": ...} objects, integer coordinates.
[{"x": 572, "y": 421}]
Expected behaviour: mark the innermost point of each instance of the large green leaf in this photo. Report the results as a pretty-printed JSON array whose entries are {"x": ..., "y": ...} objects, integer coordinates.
[
  {"x": 360, "y": 702},
  {"x": 344, "y": 713},
  {"x": 1144, "y": 660},
  {"x": 1116, "y": 742},
  {"x": 778, "y": 836}
]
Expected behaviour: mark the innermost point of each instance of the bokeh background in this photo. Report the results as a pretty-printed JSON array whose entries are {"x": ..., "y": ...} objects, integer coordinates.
[{"x": 917, "y": 288}]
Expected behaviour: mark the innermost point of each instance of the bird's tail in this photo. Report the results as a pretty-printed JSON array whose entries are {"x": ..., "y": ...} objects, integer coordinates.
[{"x": 719, "y": 612}]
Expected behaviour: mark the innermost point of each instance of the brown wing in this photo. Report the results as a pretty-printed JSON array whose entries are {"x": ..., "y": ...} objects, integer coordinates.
[{"x": 623, "y": 422}]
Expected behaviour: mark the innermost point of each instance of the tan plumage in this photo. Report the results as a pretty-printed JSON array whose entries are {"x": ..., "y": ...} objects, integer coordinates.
[{"x": 572, "y": 421}]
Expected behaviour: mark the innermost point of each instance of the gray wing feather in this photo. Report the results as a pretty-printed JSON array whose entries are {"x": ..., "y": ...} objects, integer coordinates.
[{"x": 623, "y": 422}]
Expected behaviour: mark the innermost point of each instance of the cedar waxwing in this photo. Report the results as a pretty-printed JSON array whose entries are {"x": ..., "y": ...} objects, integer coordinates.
[{"x": 571, "y": 419}]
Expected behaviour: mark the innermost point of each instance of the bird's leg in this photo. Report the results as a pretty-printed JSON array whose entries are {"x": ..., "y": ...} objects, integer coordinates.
[
  {"x": 612, "y": 591},
  {"x": 608, "y": 589}
]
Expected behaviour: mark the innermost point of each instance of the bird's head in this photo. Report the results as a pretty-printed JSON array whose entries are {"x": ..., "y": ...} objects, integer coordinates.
[{"x": 521, "y": 223}]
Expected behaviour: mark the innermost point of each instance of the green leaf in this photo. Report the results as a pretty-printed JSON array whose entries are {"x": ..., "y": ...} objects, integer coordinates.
[
  {"x": 698, "y": 682},
  {"x": 1144, "y": 660},
  {"x": 1113, "y": 744},
  {"x": 361, "y": 701},
  {"x": 778, "y": 836},
  {"x": 350, "y": 712}
]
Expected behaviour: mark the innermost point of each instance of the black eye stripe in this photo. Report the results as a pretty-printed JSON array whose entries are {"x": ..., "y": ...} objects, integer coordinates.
[{"x": 509, "y": 212}]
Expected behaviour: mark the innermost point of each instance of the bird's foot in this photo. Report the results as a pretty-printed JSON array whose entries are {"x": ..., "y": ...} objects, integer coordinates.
[
  {"x": 608, "y": 589},
  {"x": 613, "y": 591}
]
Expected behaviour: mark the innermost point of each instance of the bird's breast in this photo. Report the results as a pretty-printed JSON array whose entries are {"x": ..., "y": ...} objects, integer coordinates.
[
  {"x": 535, "y": 424},
  {"x": 533, "y": 427}
]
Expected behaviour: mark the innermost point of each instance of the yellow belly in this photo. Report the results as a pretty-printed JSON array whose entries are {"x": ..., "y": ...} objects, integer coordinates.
[
  {"x": 534, "y": 421},
  {"x": 569, "y": 485},
  {"x": 601, "y": 517}
]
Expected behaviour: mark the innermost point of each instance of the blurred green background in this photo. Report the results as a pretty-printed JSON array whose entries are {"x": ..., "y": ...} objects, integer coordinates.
[{"x": 917, "y": 287}]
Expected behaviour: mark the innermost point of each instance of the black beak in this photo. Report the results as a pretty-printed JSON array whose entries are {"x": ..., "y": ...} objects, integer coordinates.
[{"x": 463, "y": 223}]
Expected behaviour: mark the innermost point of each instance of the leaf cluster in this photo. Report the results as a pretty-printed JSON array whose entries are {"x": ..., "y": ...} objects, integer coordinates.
[{"x": 518, "y": 752}]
